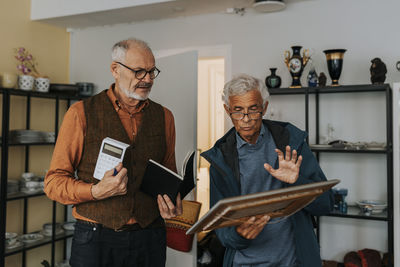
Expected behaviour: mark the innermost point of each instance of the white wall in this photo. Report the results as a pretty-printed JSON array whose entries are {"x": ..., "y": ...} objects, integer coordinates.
[
  {"x": 366, "y": 28},
  {"x": 43, "y": 9}
]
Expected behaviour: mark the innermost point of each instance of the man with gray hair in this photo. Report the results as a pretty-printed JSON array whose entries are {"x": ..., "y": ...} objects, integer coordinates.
[
  {"x": 260, "y": 155},
  {"x": 117, "y": 224}
]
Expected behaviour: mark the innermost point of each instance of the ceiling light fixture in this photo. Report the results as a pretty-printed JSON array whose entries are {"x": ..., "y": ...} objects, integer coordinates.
[{"x": 268, "y": 5}]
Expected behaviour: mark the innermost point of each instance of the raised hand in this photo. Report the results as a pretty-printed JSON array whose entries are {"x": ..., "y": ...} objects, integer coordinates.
[
  {"x": 253, "y": 226},
  {"x": 289, "y": 166},
  {"x": 111, "y": 185},
  {"x": 167, "y": 209}
]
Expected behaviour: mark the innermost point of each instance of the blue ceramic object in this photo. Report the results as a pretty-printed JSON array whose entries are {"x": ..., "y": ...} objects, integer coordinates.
[{"x": 312, "y": 78}]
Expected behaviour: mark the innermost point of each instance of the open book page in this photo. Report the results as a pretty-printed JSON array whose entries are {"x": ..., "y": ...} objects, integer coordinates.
[
  {"x": 185, "y": 162},
  {"x": 188, "y": 175},
  {"x": 165, "y": 168}
]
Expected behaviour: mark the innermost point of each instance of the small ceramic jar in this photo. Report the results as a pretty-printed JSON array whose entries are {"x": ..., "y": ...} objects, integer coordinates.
[
  {"x": 42, "y": 84},
  {"x": 9, "y": 80},
  {"x": 25, "y": 82}
]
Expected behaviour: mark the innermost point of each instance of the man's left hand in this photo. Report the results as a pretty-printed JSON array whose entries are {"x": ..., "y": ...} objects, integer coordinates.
[
  {"x": 289, "y": 166},
  {"x": 167, "y": 209}
]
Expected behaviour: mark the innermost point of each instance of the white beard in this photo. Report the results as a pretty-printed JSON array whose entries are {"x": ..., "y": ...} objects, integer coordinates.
[{"x": 133, "y": 94}]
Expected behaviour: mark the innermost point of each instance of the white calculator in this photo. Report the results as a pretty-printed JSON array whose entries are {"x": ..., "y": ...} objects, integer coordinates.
[{"x": 111, "y": 153}]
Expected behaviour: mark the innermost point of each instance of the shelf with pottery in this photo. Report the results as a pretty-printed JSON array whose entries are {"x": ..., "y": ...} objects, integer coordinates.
[
  {"x": 385, "y": 149},
  {"x": 359, "y": 88},
  {"x": 25, "y": 246},
  {"x": 20, "y": 92},
  {"x": 327, "y": 148},
  {"x": 31, "y": 144},
  {"x": 22, "y": 195},
  {"x": 9, "y": 138},
  {"x": 296, "y": 62},
  {"x": 355, "y": 212}
]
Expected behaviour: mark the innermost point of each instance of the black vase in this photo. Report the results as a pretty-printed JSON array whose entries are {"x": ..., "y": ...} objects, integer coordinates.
[
  {"x": 273, "y": 80},
  {"x": 334, "y": 58}
]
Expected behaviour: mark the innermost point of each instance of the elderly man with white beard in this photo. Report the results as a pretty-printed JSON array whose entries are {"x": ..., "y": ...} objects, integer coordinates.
[{"x": 117, "y": 224}]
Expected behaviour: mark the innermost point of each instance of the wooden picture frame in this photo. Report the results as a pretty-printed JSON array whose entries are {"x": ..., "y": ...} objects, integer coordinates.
[{"x": 276, "y": 203}]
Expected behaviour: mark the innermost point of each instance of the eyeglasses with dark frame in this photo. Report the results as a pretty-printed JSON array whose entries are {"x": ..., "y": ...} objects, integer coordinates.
[
  {"x": 251, "y": 115},
  {"x": 141, "y": 73}
]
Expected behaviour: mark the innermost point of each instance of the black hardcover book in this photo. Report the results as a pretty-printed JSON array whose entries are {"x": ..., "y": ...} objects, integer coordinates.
[{"x": 159, "y": 180}]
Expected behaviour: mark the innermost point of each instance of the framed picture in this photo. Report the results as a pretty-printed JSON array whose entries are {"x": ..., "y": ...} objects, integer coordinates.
[{"x": 276, "y": 203}]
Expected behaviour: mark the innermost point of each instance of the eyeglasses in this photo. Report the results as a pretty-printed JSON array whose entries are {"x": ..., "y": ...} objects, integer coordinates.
[
  {"x": 251, "y": 115},
  {"x": 141, "y": 73}
]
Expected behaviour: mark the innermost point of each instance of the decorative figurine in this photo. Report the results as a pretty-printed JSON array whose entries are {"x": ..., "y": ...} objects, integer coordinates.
[
  {"x": 378, "y": 71},
  {"x": 296, "y": 64},
  {"x": 273, "y": 80},
  {"x": 322, "y": 80},
  {"x": 334, "y": 58}
]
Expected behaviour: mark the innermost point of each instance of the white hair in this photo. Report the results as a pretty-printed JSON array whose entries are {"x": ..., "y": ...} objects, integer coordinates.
[
  {"x": 119, "y": 49},
  {"x": 242, "y": 84}
]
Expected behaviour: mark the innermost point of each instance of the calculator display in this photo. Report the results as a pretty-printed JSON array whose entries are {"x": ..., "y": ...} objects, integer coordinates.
[{"x": 112, "y": 150}]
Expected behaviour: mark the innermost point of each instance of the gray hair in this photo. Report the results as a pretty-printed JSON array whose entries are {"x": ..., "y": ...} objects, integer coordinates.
[
  {"x": 242, "y": 84},
  {"x": 120, "y": 48}
]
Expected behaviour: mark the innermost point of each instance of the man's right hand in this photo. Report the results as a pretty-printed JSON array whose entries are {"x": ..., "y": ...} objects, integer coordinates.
[
  {"x": 253, "y": 226},
  {"x": 111, "y": 185}
]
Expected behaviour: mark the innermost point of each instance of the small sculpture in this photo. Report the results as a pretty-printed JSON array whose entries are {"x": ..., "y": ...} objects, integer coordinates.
[
  {"x": 378, "y": 71},
  {"x": 322, "y": 80},
  {"x": 312, "y": 77}
]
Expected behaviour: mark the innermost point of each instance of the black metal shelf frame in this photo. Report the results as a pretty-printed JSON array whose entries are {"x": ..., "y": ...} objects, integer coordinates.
[
  {"x": 384, "y": 88},
  {"x": 356, "y": 213},
  {"x": 46, "y": 240},
  {"x": 4, "y": 198}
]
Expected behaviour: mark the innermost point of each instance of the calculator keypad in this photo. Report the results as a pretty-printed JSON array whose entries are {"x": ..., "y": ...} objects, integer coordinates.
[{"x": 105, "y": 163}]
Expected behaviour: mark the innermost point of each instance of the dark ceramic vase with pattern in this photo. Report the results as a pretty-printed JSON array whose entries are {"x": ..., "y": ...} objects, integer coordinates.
[
  {"x": 273, "y": 80},
  {"x": 334, "y": 58}
]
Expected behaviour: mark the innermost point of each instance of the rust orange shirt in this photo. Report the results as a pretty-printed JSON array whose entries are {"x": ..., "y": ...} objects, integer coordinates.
[{"x": 60, "y": 182}]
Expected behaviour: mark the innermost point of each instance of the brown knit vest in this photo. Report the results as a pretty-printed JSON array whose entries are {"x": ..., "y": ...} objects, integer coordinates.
[{"x": 103, "y": 121}]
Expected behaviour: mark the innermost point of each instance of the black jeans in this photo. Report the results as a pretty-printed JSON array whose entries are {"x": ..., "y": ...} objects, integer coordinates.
[{"x": 103, "y": 247}]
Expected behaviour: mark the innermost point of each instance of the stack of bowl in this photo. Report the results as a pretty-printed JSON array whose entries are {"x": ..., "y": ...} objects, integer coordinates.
[
  {"x": 12, "y": 241},
  {"x": 31, "y": 184}
]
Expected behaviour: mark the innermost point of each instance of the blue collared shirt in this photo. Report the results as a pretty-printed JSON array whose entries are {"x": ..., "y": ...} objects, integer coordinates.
[{"x": 274, "y": 246}]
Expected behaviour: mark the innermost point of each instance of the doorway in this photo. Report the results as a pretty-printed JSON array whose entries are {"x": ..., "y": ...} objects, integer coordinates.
[{"x": 210, "y": 119}]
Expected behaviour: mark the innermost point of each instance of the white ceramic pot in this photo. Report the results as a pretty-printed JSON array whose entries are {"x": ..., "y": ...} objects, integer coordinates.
[
  {"x": 42, "y": 84},
  {"x": 25, "y": 82}
]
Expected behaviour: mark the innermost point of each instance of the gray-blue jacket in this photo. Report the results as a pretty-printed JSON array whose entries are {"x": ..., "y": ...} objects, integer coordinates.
[{"x": 225, "y": 182}]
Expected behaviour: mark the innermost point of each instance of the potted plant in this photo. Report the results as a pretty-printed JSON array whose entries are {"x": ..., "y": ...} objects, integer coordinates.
[{"x": 27, "y": 66}]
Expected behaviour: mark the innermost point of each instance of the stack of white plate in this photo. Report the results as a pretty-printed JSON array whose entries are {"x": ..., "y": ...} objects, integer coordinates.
[
  {"x": 30, "y": 136},
  {"x": 30, "y": 238},
  {"x": 48, "y": 227},
  {"x": 12, "y": 186}
]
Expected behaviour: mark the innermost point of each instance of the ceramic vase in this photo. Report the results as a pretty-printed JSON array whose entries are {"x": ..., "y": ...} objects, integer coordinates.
[
  {"x": 334, "y": 58},
  {"x": 42, "y": 85},
  {"x": 25, "y": 82},
  {"x": 273, "y": 80},
  {"x": 296, "y": 64}
]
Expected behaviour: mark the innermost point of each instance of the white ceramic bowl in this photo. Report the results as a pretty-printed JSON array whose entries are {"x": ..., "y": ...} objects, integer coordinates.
[{"x": 376, "y": 206}]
